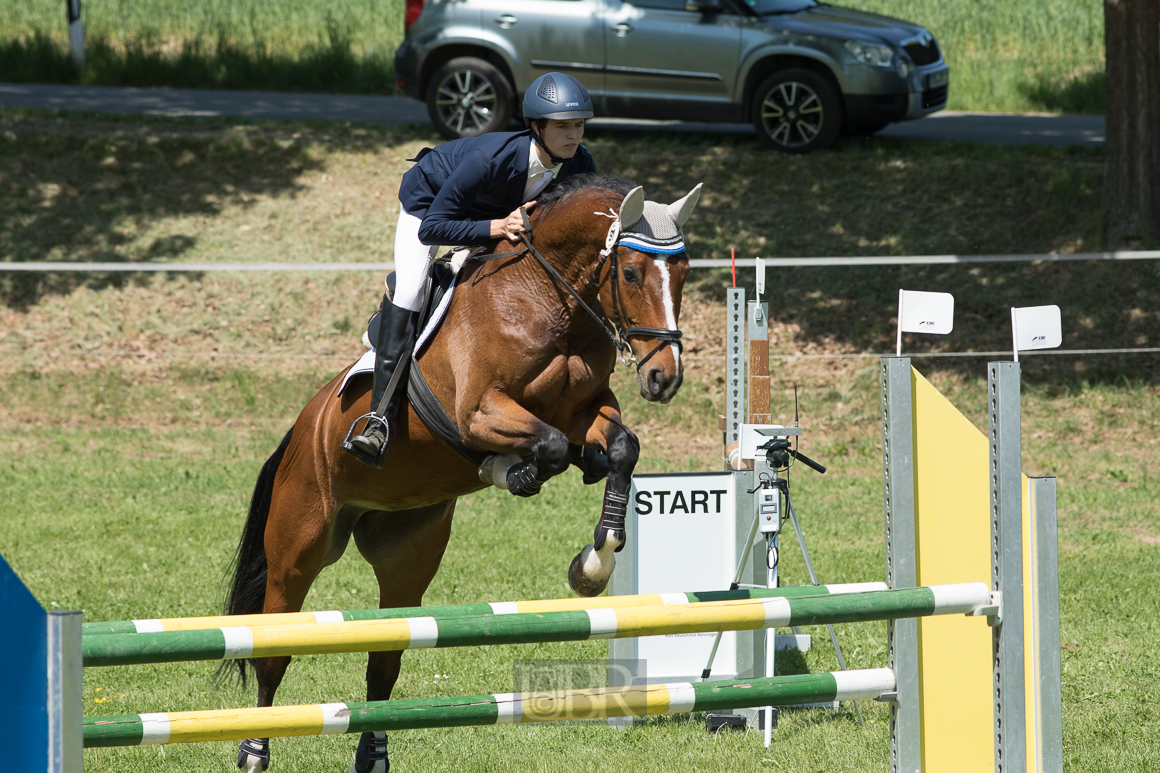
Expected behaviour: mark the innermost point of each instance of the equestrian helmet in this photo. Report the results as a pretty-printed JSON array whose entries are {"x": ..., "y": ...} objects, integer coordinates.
[{"x": 558, "y": 97}]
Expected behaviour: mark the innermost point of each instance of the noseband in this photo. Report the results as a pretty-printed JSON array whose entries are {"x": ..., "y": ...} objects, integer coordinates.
[{"x": 619, "y": 332}]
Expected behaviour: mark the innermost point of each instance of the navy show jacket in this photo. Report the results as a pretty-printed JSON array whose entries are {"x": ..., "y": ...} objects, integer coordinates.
[{"x": 457, "y": 188}]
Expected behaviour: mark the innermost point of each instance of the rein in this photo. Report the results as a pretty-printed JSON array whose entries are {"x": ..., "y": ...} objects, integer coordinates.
[{"x": 619, "y": 332}]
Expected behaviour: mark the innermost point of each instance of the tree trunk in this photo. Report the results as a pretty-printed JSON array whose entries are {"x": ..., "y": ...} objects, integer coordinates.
[{"x": 1132, "y": 166}]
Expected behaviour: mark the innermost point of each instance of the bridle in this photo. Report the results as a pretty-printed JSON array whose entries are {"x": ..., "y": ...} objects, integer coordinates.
[{"x": 620, "y": 331}]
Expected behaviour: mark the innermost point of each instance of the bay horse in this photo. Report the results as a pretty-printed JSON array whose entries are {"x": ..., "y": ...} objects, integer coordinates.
[{"x": 521, "y": 365}]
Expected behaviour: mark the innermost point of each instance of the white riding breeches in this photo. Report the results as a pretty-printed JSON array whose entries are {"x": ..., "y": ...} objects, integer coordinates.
[{"x": 413, "y": 261}]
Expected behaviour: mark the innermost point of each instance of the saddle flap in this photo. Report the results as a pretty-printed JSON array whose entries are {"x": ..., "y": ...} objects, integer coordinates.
[{"x": 440, "y": 280}]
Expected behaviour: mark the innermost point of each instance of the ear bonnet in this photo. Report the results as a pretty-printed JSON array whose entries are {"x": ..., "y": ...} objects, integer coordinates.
[{"x": 658, "y": 230}]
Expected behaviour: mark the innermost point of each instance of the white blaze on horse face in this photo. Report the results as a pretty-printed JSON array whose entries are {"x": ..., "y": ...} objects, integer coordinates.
[{"x": 670, "y": 310}]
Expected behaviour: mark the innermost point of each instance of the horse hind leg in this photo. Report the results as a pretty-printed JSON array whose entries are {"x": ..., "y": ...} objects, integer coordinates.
[
  {"x": 405, "y": 549},
  {"x": 291, "y": 570},
  {"x": 254, "y": 753}
]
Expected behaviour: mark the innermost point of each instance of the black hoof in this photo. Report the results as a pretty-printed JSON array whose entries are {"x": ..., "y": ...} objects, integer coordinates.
[{"x": 579, "y": 583}]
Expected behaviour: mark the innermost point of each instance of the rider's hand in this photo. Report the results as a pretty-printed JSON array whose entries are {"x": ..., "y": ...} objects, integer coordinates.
[{"x": 511, "y": 226}]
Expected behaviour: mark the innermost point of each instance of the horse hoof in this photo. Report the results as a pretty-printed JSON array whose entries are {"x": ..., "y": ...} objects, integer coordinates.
[
  {"x": 380, "y": 766},
  {"x": 590, "y": 569}
]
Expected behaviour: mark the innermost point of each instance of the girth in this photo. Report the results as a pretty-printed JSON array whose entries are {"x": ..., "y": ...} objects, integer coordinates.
[{"x": 432, "y": 413}]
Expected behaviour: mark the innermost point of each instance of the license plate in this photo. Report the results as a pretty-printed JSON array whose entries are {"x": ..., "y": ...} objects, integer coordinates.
[{"x": 936, "y": 79}]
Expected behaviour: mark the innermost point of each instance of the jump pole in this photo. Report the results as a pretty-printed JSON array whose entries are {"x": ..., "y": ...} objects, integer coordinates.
[
  {"x": 239, "y": 642},
  {"x": 504, "y": 708},
  {"x": 471, "y": 610}
]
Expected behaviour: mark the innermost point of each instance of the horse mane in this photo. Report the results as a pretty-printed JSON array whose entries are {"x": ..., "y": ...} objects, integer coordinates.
[{"x": 583, "y": 182}]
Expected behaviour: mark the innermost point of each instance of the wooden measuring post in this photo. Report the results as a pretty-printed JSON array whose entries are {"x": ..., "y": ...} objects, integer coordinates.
[{"x": 759, "y": 363}]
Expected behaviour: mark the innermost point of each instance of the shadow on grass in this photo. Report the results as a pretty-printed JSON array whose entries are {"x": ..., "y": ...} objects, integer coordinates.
[
  {"x": 82, "y": 188},
  {"x": 1075, "y": 92},
  {"x": 328, "y": 66},
  {"x": 880, "y": 196},
  {"x": 1104, "y": 305}
]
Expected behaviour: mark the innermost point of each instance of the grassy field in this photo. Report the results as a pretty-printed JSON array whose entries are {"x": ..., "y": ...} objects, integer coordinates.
[
  {"x": 1036, "y": 55},
  {"x": 135, "y": 415},
  {"x": 291, "y": 45}
]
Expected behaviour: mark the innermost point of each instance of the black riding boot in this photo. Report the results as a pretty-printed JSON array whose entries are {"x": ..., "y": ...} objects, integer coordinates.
[{"x": 396, "y": 334}]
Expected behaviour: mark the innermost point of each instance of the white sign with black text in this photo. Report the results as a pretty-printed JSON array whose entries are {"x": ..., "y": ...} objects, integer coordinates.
[{"x": 685, "y": 528}]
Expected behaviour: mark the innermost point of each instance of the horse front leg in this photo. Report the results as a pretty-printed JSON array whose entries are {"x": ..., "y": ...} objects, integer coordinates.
[
  {"x": 603, "y": 430},
  {"x": 508, "y": 430}
]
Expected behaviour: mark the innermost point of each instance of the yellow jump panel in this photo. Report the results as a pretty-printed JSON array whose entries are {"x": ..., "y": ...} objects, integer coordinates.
[
  {"x": 952, "y": 533},
  {"x": 952, "y": 538}
]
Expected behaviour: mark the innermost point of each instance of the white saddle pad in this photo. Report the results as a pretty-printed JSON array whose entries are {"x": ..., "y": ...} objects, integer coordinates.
[{"x": 366, "y": 363}]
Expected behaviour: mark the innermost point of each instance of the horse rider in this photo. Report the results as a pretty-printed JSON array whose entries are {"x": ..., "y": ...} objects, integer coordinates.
[{"x": 469, "y": 192}]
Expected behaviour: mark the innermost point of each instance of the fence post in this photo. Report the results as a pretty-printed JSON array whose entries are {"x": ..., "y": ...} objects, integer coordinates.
[
  {"x": 901, "y": 569},
  {"x": 1006, "y": 515},
  {"x": 65, "y": 699},
  {"x": 76, "y": 33}
]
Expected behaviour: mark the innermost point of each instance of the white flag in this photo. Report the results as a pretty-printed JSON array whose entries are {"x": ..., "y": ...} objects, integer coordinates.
[
  {"x": 1035, "y": 327},
  {"x": 919, "y": 312},
  {"x": 760, "y": 278}
]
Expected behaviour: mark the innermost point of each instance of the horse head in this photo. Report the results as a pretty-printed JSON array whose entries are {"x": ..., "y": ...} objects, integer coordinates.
[{"x": 643, "y": 298}]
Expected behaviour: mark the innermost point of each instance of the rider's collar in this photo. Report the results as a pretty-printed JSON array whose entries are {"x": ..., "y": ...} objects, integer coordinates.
[{"x": 535, "y": 166}]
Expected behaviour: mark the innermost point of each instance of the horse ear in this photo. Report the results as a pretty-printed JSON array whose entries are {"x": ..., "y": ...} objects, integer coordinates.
[
  {"x": 681, "y": 209},
  {"x": 632, "y": 208}
]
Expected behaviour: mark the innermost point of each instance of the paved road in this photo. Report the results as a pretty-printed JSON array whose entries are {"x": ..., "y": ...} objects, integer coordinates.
[{"x": 947, "y": 126}]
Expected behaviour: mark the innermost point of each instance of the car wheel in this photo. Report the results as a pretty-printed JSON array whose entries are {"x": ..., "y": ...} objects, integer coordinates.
[
  {"x": 467, "y": 97},
  {"x": 863, "y": 129},
  {"x": 797, "y": 111}
]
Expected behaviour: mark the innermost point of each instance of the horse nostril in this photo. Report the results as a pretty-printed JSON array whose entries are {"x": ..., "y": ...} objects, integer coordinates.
[{"x": 656, "y": 381}]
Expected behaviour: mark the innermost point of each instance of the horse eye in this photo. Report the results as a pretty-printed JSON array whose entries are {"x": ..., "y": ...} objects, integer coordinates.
[{"x": 631, "y": 275}]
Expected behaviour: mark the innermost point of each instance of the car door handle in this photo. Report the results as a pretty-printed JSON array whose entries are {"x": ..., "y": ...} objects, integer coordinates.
[
  {"x": 507, "y": 21},
  {"x": 622, "y": 29}
]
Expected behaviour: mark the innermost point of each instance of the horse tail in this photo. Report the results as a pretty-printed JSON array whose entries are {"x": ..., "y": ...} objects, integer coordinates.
[{"x": 247, "y": 595}]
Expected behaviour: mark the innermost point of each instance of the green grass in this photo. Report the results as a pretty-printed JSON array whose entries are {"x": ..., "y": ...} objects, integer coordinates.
[
  {"x": 1042, "y": 55},
  {"x": 297, "y": 45},
  {"x": 140, "y": 521}
]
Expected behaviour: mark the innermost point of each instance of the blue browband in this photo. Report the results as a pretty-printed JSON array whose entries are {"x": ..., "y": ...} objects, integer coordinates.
[{"x": 645, "y": 246}]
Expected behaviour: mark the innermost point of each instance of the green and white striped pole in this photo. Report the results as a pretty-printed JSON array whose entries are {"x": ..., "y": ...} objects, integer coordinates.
[
  {"x": 520, "y": 628},
  {"x": 469, "y": 610},
  {"x": 506, "y": 708}
]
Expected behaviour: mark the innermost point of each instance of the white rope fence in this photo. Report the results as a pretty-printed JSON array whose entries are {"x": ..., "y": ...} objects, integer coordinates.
[
  {"x": 818, "y": 262},
  {"x": 847, "y": 356}
]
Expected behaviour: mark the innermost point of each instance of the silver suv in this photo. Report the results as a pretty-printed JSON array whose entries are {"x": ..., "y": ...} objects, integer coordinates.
[{"x": 799, "y": 70}]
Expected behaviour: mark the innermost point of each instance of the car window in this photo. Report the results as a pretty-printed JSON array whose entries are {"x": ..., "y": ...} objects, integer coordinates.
[
  {"x": 762, "y": 7},
  {"x": 668, "y": 5}
]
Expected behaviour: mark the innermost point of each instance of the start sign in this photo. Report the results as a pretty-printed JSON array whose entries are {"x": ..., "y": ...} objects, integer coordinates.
[{"x": 682, "y": 536}]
